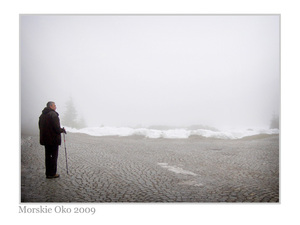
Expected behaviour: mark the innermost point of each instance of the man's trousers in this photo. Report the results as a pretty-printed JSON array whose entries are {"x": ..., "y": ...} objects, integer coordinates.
[{"x": 51, "y": 159}]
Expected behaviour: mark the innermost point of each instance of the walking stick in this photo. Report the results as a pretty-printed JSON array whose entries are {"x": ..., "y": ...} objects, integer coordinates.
[{"x": 66, "y": 154}]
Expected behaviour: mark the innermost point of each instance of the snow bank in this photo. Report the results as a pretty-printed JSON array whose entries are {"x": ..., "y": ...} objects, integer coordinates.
[{"x": 172, "y": 133}]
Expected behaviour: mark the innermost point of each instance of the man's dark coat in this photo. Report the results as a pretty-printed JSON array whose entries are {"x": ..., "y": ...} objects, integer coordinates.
[{"x": 49, "y": 125}]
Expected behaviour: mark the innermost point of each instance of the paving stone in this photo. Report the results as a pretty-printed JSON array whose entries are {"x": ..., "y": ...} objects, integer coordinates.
[{"x": 121, "y": 169}]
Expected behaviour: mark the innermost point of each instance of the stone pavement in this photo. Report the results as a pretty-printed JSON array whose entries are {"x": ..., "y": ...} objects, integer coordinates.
[{"x": 136, "y": 169}]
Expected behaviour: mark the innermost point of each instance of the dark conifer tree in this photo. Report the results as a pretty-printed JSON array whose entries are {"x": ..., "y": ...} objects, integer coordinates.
[
  {"x": 70, "y": 115},
  {"x": 274, "y": 122}
]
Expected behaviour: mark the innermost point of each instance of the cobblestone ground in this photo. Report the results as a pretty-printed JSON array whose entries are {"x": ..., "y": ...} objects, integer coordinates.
[{"x": 136, "y": 169}]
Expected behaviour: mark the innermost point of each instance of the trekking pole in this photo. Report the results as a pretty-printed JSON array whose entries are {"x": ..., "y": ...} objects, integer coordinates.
[{"x": 66, "y": 154}]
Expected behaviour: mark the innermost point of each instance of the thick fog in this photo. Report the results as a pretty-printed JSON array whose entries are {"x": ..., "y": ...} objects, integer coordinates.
[{"x": 220, "y": 71}]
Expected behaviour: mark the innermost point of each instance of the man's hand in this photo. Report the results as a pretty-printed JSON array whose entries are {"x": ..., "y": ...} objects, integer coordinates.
[{"x": 63, "y": 130}]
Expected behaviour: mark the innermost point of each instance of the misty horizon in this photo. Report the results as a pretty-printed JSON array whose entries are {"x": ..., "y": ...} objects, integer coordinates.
[{"x": 177, "y": 71}]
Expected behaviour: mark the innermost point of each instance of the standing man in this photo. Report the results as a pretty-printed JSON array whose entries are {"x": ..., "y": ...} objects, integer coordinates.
[{"x": 50, "y": 137}]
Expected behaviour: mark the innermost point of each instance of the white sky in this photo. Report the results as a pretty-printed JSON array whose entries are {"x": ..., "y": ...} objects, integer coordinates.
[{"x": 222, "y": 71}]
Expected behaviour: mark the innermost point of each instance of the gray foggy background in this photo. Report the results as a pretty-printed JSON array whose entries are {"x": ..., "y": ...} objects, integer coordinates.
[{"x": 220, "y": 71}]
